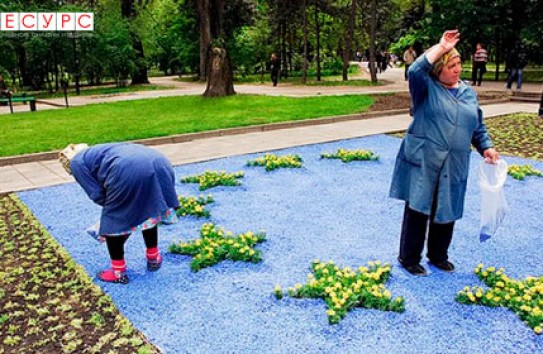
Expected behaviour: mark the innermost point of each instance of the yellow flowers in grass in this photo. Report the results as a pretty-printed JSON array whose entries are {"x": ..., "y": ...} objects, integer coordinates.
[
  {"x": 194, "y": 206},
  {"x": 210, "y": 179},
  {"x": 351, "y": 155},
  {"x": 216, "y": 245},
  {"x": 344, "y": 289},
  {"x": 272, "y": 162},
  {"x": 521, "y": 171},
  {"x": 525, "y": 297}
]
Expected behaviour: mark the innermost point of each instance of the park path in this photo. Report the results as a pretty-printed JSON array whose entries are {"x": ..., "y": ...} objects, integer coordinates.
[{"x": 41, "y": 170}]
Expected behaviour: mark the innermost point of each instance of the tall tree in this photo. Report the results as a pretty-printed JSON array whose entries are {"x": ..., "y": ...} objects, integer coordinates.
[
  {"x": 128, "y": 8},
  {"x": 220, "y": 77},
  {"x": 347, "y": 51}
]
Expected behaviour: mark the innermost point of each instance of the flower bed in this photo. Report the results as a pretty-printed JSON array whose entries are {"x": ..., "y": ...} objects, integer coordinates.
[
  {"x": 343, "y": 289},
  {"x": 521, "y": 171},
  {"x": 216, "y": 245},
  {"x": 194, "y": 206},
  {"x": 351, "y": 155},
  {"x": 525, "y": 297},
  {"x": 210, "y": 179},
  {"x": 272, "y": 161}
]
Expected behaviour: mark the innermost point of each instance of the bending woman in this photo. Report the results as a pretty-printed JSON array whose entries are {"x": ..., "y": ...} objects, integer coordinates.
[{"x": 135, "y": 185}]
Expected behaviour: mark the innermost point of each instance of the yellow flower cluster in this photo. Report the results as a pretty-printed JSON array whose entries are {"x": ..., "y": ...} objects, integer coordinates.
[
  {"x": 351, "y": 155},
  {"x": 525, "y": 298},
  {"x": 272, "y": 162},
  {"x": 521, "y": 171},
  {"x": 194, "y": 206},
  {"x": 215, "y": 244},
  {"x": 210, "y": 179},
  {"x": 344, "y": 289}
]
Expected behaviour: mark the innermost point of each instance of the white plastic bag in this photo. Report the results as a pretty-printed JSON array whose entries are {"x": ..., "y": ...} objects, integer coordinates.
[{"x": 493, "y": 204}]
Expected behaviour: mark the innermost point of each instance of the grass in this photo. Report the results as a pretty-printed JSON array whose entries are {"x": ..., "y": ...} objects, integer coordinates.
[{"x": 50, "y": 130}]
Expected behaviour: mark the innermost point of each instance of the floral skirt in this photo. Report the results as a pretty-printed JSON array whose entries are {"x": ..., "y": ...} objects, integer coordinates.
[{"x": 167, "y": 217}]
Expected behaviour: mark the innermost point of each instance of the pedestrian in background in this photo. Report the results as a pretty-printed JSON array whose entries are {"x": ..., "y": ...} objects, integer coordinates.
[
  {"x": 480, "y": 58},
  {"x": 275, "y": 68},
  {"x": 516, "y": 62}
]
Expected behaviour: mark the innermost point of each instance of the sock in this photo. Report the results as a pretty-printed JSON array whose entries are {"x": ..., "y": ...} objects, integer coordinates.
[{"x": 152, "y": 253}]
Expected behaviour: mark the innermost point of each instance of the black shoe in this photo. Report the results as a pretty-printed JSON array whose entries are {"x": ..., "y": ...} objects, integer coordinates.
[
  {"x": 444, "y": 265},
  {"x": 416, "y": 269}
]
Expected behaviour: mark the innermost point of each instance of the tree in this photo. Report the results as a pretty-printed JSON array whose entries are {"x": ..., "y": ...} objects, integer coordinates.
[
  {"x": 217, "y": 67},
  {"x": 128, "y": 9}
]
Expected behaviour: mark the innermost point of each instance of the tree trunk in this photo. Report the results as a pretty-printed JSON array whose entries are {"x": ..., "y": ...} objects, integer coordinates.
[
  {"x": 220, "y": 81},
  {"x": 304, "y": 20},
  {"x": 318, "y": 43},
  {"x": 349, "y": 42},
  {"x": 220, "y": 77},
  {"x": 205, "y": 36},
  {"x": 373, "y": 35},
  {"x": 140, "y": 76}
]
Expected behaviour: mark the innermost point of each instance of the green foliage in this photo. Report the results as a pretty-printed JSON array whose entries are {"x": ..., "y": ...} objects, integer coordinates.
[
  {"x": 272, "y": 162},
  {"x": 344, "y": 289},
  {"x": 521, "y": 171},
  {"x": 215, "y": 245},
  {"x": 351, "y": 155},
  {"x": 194, "y": 206},
  {"x": 525, "y": 298},
  {"x": 210, "y": 179}
]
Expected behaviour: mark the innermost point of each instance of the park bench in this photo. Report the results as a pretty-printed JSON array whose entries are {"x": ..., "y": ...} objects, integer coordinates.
[{"x": 24, "y": 99}]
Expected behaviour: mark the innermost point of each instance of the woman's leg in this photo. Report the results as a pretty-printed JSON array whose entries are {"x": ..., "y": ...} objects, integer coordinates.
[
  {"x": 412, "y": 237},
  {"x": 154, "y": 259},
  {"x": 115, "y": 246},
  {"x": 439, "y": 240}
]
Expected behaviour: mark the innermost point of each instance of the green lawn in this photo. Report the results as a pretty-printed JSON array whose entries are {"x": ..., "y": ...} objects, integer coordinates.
[{"x": 49, "y": 130}]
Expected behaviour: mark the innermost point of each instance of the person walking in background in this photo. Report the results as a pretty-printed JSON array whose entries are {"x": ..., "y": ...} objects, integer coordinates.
[
  {"x": 432, "y": 165},
  {"x": 4, "y": 91},
  {"x": 134, "y": 185},
  {"x": 480, "y": 58},
  {"x": 515, "y": 64},
  {"x": 409, "y": 57},
  {"x": 275, "y": 67}
]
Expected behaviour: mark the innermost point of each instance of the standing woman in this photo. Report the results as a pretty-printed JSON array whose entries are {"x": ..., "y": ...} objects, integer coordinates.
[
  {"x": 432, "y": 165},
  {"x": 135, "y": 185}
]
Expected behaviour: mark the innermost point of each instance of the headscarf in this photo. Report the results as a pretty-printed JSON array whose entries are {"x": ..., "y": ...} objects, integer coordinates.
[
  {"x": 66, "y": 155},
  {"x": 441, "y": 62}
]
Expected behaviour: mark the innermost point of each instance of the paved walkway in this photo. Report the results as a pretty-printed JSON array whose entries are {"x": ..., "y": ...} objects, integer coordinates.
[{"x": 47, "y": 173}]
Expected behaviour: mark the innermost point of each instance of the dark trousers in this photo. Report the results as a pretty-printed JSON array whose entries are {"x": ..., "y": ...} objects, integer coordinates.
[
  {"x": 115, "y": 244},
  {"x": 413, "y": 235},
  {"x": 275, "y": 77},
  {"x": 479, "y": 68}
]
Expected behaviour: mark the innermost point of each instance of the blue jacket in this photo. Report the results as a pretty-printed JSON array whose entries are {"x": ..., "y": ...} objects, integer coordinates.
[
  {"x": 436, "y": 148},
  {"x": 132, "y": 183}
]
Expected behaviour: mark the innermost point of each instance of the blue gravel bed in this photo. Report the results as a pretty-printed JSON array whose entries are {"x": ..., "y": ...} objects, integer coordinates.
[{"x": 327, "y": 210}]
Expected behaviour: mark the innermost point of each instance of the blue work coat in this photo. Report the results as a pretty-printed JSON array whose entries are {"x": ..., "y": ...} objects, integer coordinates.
[
  {"x": 131, "y": 182},
  {"x": 435, "y": 151}
]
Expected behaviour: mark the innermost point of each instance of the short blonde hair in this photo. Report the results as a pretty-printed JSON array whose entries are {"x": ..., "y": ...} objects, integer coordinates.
[
  {"x": 441, "y": 62},
  {"x": 65, "y": 156}
]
